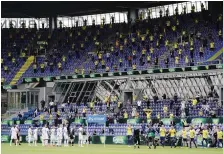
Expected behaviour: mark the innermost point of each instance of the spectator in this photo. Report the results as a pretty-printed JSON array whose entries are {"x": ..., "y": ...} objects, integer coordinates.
[
  {"x": 125, "y": 115},
  {"x": 51, "y": 104},
  {"x": 198, "y": 98},
  {"x": 119, "y": 104},
  {"x": 194, "y": 102},
  {"x": 175, "y": 97},
  {"x": 91, "y": 105},
  {"x": 84, "y": 112},
  {"x": 35, "y": 112},
  {"x": 148, "y": 103},
  {"x": 165, "y": 110},
  {"x": 171, "y": 115},
  {"x": 58, "y": 114},
  {"x": 139, "y": 104},
  {"x": 158, "y": 116},
  {"x": 20, "y": 116},
  {"x": 164, "y": 96},
  {"x": 187, "y": 110},
  {"x": 155, "y": 98},
  {"x": 68, "y": 102},
  {"x": 62, "y": 107},
  {"x": 133, "y": 112},
  {"x": 41, "y": 117},
  {"x": 171, "y": 104},
  {"x": 42, "y": 104}
]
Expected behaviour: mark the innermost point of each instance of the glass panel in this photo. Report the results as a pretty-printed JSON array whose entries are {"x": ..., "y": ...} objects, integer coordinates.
[
  {"x": 36, "y": 99},
  {"x": 189, "y": 7},
  {"x": 180, "y": 8},
  {"x": 125, "y": 17},
  {"x": 121, "y": 17},
  {"x": 98, "y": 19},
  {"x": 156, "y": 10},
  {"x": 17, "y": 99},
  {"x": 154, "y": 13},
  {"x": 171, "y": 10},
  {"x": 116, "y": 17},
  {"x": 107, "y": 18},
  {"x": 65, "y": 22},
  {"x": 11, "y": 100},
  {"x": 89, "y": 20},
  {"x": 31, "y": 104},
  {"x": 59, "y": 19},
  {"x": 198, "y": 5}
]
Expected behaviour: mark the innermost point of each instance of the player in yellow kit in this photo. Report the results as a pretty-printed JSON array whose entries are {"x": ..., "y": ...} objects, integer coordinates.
[
  {"x": 162, "y": 135},
  {"x": 205, "y": 137},
  {"x": 129, "y": 134},
  {"x": 219, "y": 138},
  {"x": 192, "y": 136},
  {"x": 184, "y": 138},
  {"x": 172, "y": 133}
]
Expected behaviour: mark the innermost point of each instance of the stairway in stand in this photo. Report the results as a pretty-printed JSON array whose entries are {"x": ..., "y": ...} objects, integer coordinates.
[{"x": 22, "y": 70}]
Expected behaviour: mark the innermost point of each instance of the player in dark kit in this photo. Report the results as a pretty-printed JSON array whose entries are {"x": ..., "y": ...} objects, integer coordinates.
[
  {"x": 151, "y": 137},
  {"x": 136, "y": 137}
]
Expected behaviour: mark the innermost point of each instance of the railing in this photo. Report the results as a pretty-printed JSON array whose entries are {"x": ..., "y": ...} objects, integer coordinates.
[{"x": 204, "y": 63}]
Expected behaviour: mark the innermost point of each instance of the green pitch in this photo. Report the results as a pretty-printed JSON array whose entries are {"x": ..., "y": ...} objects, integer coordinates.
[{"x": 99, "y": 149}]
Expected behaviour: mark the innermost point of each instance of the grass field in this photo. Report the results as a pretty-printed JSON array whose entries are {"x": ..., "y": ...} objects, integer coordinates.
[{"x": 99, "y": 149}]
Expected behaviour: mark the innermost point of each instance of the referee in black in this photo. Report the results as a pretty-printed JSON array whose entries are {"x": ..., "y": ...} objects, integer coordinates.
[{"x": 136, "y": 137}]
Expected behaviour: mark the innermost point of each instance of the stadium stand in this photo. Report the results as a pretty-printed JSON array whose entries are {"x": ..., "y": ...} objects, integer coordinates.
[{"x": 172, "y": 41}]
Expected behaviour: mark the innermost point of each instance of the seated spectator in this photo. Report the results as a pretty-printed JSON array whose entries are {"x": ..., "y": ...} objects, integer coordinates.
[
  {"x": 125, "y": 115},
  {"x": 165, "y": 110},
  {"x": 200, "y": 113},
  {"x": 91, "y": 105},
  {"x": 171, "y": 104},
  {"x": 41, "y": 117},
  {"x": 58, "y": 114},
  {"x": 119, "y": 104},
  {"x": 158, "y": 116},
  {"x": 136, "y": 115},
  {"x": 171, "y": 115},
  {"x": 51, "y": 117},
  {"x": 194, "y": 102},
  {"x": 84, "y": 112}
]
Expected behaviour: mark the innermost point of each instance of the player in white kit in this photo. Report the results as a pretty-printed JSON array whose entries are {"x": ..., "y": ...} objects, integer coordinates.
[
  {"x": 45, "y": 135},
  {"x": 59, "y": 135},
  {"x": 65, "y": 135},
  {"x": 35, "y": 136},
  {"x": 14, "y": 135},
  {"x": 30, "y": 133},
  {"x": 52, "y": 136},
  {"x": 80, "y": 136}
]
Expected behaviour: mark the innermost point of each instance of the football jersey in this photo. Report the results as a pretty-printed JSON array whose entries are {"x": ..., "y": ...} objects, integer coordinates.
[
  {"x": 205, "y": 133},
  {"x": 162, "y": 132},
  {"x": 192, "y": 133},
  {"x": 29, "y": 132},
  {"x": 184, "y": 134},
  {"x": 172, "y": 132}
]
